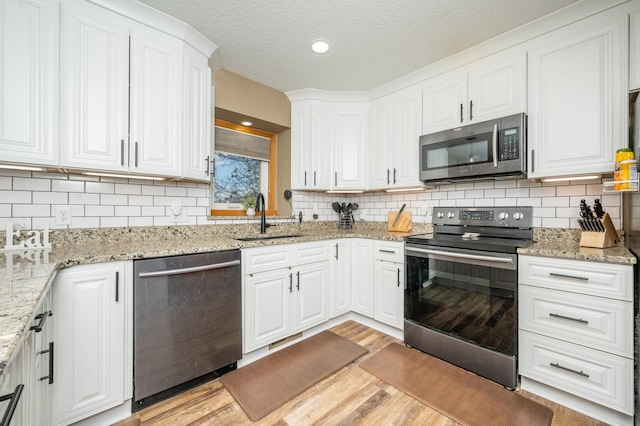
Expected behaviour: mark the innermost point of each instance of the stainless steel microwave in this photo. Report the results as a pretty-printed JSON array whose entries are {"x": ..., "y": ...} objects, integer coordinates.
[{"x": 494, "y": 149}]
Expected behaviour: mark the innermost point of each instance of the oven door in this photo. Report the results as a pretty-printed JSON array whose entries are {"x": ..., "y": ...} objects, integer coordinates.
[{"x": 466, "y": 294}]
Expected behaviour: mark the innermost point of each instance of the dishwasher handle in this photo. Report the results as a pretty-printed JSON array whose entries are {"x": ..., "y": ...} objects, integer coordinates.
[{"x": 180, "y": 271}]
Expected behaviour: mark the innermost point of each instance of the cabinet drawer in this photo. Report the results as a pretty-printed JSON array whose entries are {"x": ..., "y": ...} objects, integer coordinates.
[
  {"x": 599, "y": 323},
  {"x": 310, "y": 252},
  {"x": 388, "y": 250},
  {"x": 594, "y": 278},
  {"x": 266, "y": 258},
  {"x": 596, "y": 376}
]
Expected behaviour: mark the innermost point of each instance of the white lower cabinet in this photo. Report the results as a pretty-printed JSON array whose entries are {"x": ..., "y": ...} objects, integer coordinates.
[
  {"x": 389, "y": 283},
  {"x": 93, "y": 331},
  {"x": 576, "y": 335},
  {"x": 285, "y": 291},
  {"x": 362, "y": 277},
  {"x": 32, "y": 368},
  {"x": 341, "y": 268}
]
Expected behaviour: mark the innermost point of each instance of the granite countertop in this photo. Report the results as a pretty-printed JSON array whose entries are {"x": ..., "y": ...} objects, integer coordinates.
[{"x": 26, "y": 275}]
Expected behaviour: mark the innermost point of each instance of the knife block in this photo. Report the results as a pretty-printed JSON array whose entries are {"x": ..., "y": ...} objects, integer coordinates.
[
  {"x": 608, "y": 238},
  {"x": 404, "y": 222}
]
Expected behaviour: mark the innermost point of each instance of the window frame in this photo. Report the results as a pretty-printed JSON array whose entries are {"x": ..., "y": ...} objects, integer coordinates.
[{"x": 271, "y": 194}]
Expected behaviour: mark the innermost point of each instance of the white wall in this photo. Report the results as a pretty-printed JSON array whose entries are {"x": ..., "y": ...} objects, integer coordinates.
[{"x": 31, "y": 197}]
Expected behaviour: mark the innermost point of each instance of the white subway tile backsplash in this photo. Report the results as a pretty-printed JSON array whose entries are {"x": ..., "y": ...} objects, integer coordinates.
[
  {"x": 85, "y": 222},
  {"x": 100, "y": 187},
  {"x": 543, "y": 191},
  {"x": 128, "y": 189},
  {"x": 67, "y": 186},
  {"x": 153, "y": 190},
  {"x": 32, "y": 210},
  {"x": 141, "y": 200},
  {"x": 556, "y": 202},
  {"x": 571, "y": 190},
  {"x": 152, "y": 211},
  {"x": 517, "y": 193},
  {"x": 99, "y": 211},
  {"x": 141, "y": 221},
  {"x": 5, "y": 182},
  {"x": 494, "y": 193},
  {"x": 82, "y": 198},
  {"x": 113, "y": 200},
  {"x": 15, "y": 197},
  {"x": 50, "y": 198},
  {"x": 552, "y": 222},
  {"x": 133, "y": 211},
  {"x": 113, "y": 222},
  {"x": 28, "y": 184},
  {"x": 176, "y": 192}
]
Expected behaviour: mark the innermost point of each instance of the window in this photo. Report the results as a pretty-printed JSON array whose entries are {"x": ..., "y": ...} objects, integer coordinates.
[{"x": 244, "y": 164}]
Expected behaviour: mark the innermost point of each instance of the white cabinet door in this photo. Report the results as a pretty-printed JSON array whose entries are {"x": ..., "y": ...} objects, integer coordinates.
[
  {"x": 634, "y": 58},
  {"x": 362, "y": 277},
  {"x": 156, "y": 103},
  {"x": 578, "y": 98},
  {"x": 267, "y": 308},
  {"x": 389, "y": 293},
  {"x": 349, "y": 137},
  {"x": 196, "y": 115},
  {"x": 484, "y": 90},
  {"x": 95, "y": 88},
  {"x": 29, "y": 82},
  {"x": 396, "y": 125},
  {"x": 340, "y": 288},
  {"x": 91, "y": 339},
  {"x": 310, "y": 145},
  {"x": 444, "y": 102},
  {"x": 311, "y": 295}
]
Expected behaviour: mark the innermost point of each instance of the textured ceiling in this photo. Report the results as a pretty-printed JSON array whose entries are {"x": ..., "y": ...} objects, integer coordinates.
[{"x": 372, "y": 41}]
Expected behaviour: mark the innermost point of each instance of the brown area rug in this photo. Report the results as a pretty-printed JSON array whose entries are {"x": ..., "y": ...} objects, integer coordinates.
[
  {"x": 268, "y": 383},
  {"x": 456, "y": 393}
]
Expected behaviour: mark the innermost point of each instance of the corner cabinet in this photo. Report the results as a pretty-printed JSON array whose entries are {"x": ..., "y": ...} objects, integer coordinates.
[
  {"x": 396, "y": 126},
  {"x": 578, "y": 97},
  {"x": 94, "y": 343},
  {"x": 29, "y": 82},
  {"x": 483, "y": 90},
  {"x": 327, "y": 142}
]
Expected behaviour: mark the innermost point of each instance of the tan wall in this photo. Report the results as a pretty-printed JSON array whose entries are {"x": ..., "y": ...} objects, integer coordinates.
[{"x": 237, "y": 99}]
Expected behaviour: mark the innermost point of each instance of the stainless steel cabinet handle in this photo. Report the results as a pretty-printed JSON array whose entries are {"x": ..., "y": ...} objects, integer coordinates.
[
  {"x": 470, "y": 110},
  {"x": 394, "y": 175},
  {"x": 387, "y": 251},
  {"x": 336, "y": 251},
  {"x": 314, "y": 178},
  {"x": 572, "y": 277},
  {"x": 580, "y": 320},
  {"x": 206, "y": 172},
  {"x": 463, "y": 255},
  {"x": 305, "y": 178},
  {"x": 188, "y": 270},
  {"x": 494, "y": 145},
  {"x": 13, "y": 403},
  {"x": 533, "y": 160},
  {"x": 290, "y": 283},
  {"x": 42, "y": 317},
  {"x": 117, "y": 286},
  {"x": 388, "y": 176},
  {"x": 50, "y": 352},
  {"x": 398, "y": 277},
  {"x": 336, "y": 178},
  {"x": 298, "y": 284},
  {"x": 571, "y": 370},
  {"x": 136, "y": 154},
  {"x": 461, "y": 116},
  {"x": 122, "y": 152}
]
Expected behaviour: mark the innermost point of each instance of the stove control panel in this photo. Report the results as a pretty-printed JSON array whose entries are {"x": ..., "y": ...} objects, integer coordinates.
[{"x": 508, "y": 217}]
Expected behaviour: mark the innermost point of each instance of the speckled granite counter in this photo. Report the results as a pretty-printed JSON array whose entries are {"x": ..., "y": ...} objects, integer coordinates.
[{"x": 24, "y": 276}]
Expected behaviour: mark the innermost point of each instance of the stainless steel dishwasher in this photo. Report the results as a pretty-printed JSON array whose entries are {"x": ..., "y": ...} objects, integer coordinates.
[{"x": 187, "y": 322}]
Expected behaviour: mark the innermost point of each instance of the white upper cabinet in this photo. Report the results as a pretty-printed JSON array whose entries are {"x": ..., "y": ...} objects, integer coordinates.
[
  {"x": 310, "y": 145},
  {"x": 134, "y": 99},
  {"x": 95, "y": 88},
  {"x": 156, "y": 102},
  {"x": 29, "y": 82},
  {"x": 349, "y": 137},
  {"x": 634, "y": 74},
  {"x": 578, "y": 97},
  {"x": 483, "y": 90},
  {"x": 196, "y": 115},
  {"x": 396, "y": 125}
]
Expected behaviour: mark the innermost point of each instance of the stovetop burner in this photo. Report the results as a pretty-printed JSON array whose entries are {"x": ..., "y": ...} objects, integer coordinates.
[{"x": 497, "y": 229}]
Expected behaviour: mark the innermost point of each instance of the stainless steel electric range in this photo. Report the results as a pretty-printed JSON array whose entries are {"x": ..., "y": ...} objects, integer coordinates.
[{"x": 462, "y": 281}]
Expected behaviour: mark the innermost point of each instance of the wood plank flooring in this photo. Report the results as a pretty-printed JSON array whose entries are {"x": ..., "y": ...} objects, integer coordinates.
[{"x": 349, "y": 397}]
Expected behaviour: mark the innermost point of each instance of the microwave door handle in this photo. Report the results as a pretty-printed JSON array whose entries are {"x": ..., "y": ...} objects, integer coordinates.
[{"x": 494, "y": 145}]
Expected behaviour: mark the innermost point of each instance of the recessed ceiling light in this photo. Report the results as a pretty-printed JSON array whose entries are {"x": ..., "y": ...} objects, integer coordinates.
[
  {"x": 320, "y": 46},
  {"x": 247, "y": 123}
]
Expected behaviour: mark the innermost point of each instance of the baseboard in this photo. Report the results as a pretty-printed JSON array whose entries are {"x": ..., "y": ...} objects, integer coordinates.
[{"x": 108, "y": 417}]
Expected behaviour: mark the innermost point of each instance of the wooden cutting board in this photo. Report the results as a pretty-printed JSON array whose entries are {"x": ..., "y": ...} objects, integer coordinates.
[{"x": 403, "y": 225}]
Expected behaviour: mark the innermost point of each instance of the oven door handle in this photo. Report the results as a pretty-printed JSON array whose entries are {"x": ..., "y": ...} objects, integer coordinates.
[{"x": 462, "y": 255}]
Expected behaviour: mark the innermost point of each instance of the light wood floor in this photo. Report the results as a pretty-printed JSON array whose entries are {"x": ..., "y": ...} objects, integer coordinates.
[{"x": 349, "y": 397}]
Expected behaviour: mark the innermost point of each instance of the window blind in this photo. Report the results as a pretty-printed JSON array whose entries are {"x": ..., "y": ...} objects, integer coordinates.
[{"x": 244, "y": 144}]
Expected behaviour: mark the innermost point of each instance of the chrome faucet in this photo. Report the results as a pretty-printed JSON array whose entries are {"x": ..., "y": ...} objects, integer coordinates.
[{"x": 260, "y": 205}]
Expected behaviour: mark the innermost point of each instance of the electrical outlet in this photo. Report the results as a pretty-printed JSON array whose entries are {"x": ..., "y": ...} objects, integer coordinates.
[
  {"x": 63, "y": 215},
  {"x": 177, "y": 212}
]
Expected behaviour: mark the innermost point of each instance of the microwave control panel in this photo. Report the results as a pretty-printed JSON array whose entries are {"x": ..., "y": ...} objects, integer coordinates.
[{"x": 509, "y": 145}]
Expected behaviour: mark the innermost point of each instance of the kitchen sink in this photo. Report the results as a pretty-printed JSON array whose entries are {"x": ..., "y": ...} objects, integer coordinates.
[{"x": 267, "y": 237}]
